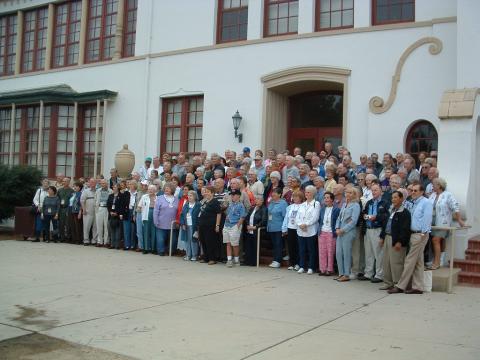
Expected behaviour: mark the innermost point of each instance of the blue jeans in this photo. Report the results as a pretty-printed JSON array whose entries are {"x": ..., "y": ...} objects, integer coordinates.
[
  {"x": 163, "y": 236},
  {"x": 46, "y": 227},
  {"x": 38, "y": 225},
  {"x": 344, "y": 252},
  {"x": 191, "y": 244},
  {"x": 139, "y": 230},
  {"x": 149, "y": 232},
  {"x": 277, "y": 242},
  {"x": 307, "y": 244},
  {"x": 127, "y": 230}
]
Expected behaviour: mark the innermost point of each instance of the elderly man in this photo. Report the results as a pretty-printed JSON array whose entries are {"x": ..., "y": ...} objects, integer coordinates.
[
  {"x": 40, "y": 195},
  {"x": 424, "y": 179},
  {"x": 412, "y": 173},
  {"x": 339, "y": 196},
  {"x": 87, "y": 201},
  {"x": 421, "y": 210},
  {"x": 143, "y": 171},
  {"x": 319, "y": 183},
  {"x": 290, "y": 169},
  {"x": 180, "y": 167},
  {"x": 259, "y": 168},
  {"x": 59, "y": 181},
  {"x": 254, "y": 185},
  {"x": 156, "y": 165},
  {"x": 375, "y": 215},
  {"x": 101, "y": 215},
  {"x": 303, "y": 170},
  {"x": 432, "y": 174},
  {"x": 244, "y": 199},
  {"x": 64, "y": 194},
  {"x": 329, "y": 150}
]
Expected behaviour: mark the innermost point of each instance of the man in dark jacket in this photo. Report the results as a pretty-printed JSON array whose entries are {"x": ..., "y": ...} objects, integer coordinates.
[
  {"x": 395, "y": 235},
  {"x": 375, "y": 215}
]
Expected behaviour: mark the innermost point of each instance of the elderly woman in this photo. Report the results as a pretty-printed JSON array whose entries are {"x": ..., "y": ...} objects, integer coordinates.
[
  {"x": 307, "y": 225},
  {"x": 445, "y": 206},
  {"x": 209, "y": 226},
  {"x": 275, "y": 183},
  {"x": 146, "y": 207},
  {"x": 329, "y": 178},
  {"x": 255, "y": 219},
  {"x": 277, "y": 208},
  {"x": 75, "y": 210},
  {"x": 49, "y": 214},
  {"x": 289, "y": 229},
  {"x": 164, "y": 214},
  {"x": 189, "y": 224},
  {"x": 115, "y": 216},
  {"x": 327, "y": 235},
  {"x": 40, "y": 195},
  {"x": 346, "y": 232}
]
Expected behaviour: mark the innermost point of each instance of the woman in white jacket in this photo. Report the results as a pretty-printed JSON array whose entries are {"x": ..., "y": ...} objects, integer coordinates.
[
  {"x": 146, "y": 206},
  {"x": 445, "y": 207},
  {"x": 307, "y": 226},
  {"x": 289, "y": 229}
]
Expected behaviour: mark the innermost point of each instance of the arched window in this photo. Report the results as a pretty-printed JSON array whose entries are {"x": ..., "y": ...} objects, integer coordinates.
[{"x": 422, "y": 136}]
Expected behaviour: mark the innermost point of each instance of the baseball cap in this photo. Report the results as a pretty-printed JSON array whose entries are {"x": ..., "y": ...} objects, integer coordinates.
[
  {"x": 246, "y": 149},
  {"x": 148, "y": 158},
  {"x": 235, "y": 192}
]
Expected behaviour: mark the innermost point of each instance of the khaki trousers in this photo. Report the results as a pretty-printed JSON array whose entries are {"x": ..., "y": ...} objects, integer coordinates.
[
  {"x": 413, "y": 268},
  {"x": 102, "y": 226},
  {"x": 373, "y": 254},
  {"x": 358, "y": 253},
  {"x": 393, "y": 261}
]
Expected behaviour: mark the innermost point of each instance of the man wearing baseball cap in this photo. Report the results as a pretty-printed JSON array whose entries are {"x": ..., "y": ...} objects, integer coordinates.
[
  {"x": 235, "y": 215},
  {"x": 246, "y": 152}
]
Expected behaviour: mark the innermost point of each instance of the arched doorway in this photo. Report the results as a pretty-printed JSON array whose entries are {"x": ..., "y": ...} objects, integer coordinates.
[
  {"x": 314, "y": 118},
  {"x": 422, "y": 136},
  {"x": 284, "y": 90}
]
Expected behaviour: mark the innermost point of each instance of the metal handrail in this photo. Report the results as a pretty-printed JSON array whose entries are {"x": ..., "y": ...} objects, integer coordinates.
[
  {"x": 451, "y": 235},
  {"x": 171, "y": 237},
  {"x": 258, "y": 244}
]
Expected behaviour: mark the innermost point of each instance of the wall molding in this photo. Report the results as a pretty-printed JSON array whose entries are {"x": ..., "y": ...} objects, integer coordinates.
[{"x": 377, "y": 104}]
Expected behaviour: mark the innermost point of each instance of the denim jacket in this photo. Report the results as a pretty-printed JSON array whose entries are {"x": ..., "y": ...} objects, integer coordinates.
[
  {"x": 276, "y": 214},
  {"x": 347, "y": 220}
]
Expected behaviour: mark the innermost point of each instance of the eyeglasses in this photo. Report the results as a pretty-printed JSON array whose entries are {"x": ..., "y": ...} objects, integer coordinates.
[{"x": 415, "y": 190}]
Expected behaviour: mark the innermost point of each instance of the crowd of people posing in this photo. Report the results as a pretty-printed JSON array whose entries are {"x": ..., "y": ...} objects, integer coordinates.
[{"x": 320, "y": 212}]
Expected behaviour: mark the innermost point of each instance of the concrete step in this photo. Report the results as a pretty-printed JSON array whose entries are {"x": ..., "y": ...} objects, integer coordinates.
[
  {"x": 468, "y": 265},
  {"x": 470, "y": 278},
  {"x": 440, "y": 278},
  {"x": 472, "y": 254},
  {"x": 474, "y": 244}
]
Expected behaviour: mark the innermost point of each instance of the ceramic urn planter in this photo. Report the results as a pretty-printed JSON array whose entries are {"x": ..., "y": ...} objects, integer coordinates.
[{"x": 124, "y": 162}]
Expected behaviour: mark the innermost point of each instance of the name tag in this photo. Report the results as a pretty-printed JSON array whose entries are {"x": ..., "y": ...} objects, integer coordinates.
[
  {"x": 62, "y": 202},
  {"x": 113, "y": 206},
  {"x": 270, "y": 217},
  {"x": 391, "y": 216},
  {"x": 49, "y": 210}
]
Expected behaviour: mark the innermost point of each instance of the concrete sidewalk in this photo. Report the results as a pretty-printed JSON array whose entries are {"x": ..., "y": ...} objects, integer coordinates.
[{"x": 151, "y": 307}]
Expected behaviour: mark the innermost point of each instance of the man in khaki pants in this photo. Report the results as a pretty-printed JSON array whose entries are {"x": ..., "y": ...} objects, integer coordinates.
[
  {"x": 395, "y": 236},
  {"x": 421, "y": 210}
]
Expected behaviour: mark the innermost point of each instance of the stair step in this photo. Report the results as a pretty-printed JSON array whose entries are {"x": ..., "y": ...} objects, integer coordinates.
[
  {"x": 472, "y": 254},
  {"x": 465, "y": 277},
  {"x": 472, "y": 266},
  {"x": 474, "y": 244}
]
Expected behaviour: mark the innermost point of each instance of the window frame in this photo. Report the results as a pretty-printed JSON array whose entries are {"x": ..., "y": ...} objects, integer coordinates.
[
  {"x": 67, "y": 43},
  {"x": 409, "y": 137},
  {"x": 266, "y": 18},
  {"x": 375, "y": 22},
  {"x": 126, "y": 33},
  {"x": 36, "y": 49},
  {"x": 102, "y": 37},
  {"x": 220, "y": 12},
  {"x": 11, "y": 39},
  {"x": 318, "y": 11},
  {"x": 184, "y": 124},
  {"x": 5, "y": 132}
]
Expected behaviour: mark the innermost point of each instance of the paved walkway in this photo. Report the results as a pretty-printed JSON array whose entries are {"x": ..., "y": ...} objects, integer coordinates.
[{"x": 148, "y": 307}]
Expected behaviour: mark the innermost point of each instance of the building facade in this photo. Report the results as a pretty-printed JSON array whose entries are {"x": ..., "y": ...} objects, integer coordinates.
[{"x": 80, "y": 78}]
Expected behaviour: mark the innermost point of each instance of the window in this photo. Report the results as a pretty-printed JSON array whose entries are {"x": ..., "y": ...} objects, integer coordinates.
[
  {"x": 392, "y": 11},
  {"x": 34, "y": 39},
  {"x": 66, "y": 37},
  {"x": 87, "y": 150},
  {"x": 232, "y": 20},
  {"x": 422, "y": 136},
  {"x": 334, "y": 14},
  {"x": 57, "y": 135},
  {"x": 102, "y": 24},
  {"x": 281, "y": 17},
  {"x": 182, "y": 125},
  {"x": 8, "y": 44},
  {"x": 5, "y": 122},
  {"x": 130, "y": 27}
]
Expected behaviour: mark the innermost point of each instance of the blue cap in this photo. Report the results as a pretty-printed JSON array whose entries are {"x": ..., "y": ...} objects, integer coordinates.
[{"x": 246, "y": 149}]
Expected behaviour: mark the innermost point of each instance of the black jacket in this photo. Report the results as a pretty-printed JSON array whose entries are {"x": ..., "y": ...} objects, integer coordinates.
[
  {"x": 382, "y": 214},
  {"x": 400, "y": 227},
  {"x": 259, "y": 219},
  {"x": 269, "y": 188}
]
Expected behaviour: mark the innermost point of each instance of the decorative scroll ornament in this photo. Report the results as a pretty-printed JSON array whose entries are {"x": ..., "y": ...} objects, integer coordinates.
[{"x": 377, "y": 104}]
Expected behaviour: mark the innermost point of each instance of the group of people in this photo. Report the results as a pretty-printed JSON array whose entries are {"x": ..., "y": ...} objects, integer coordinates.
[{"x": 320, "y": 212}]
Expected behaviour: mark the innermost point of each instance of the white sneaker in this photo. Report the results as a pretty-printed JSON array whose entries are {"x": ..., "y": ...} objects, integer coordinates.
[
  {"x": 310, "y": 272},
  {"x": 286, "y": 258},
  {"x": 185, "y": 258},
  {"x": 229, "y": 263},
  {"x": 300, "y": 271},
  {"x": 236, "y": 263},
  {"x": 193, "y": 259},
  {"x": 274, "y": 265},
  {"x": 296, "y": 268},
  {"x": 290, "y": 268}
]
